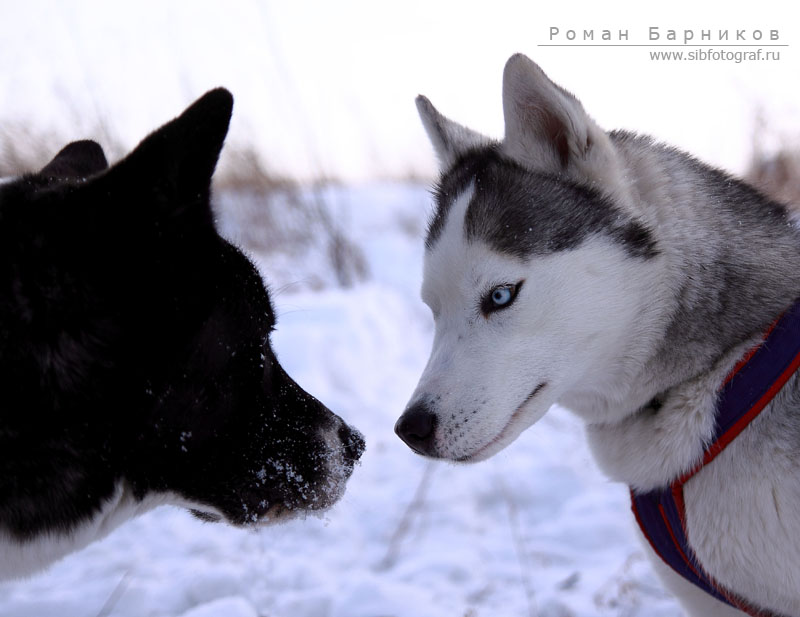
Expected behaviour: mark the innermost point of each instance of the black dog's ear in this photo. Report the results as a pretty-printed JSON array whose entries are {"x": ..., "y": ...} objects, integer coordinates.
[
  {"x": 172, "y": 167},
  {"x": 79, "y": 159}
]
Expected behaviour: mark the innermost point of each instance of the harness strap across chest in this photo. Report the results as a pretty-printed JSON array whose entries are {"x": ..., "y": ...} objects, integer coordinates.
[{"x": 746, "y": 391}]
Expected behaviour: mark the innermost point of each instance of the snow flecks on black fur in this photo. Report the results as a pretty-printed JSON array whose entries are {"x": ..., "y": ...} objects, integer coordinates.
[{"x": 524, "y": 213}]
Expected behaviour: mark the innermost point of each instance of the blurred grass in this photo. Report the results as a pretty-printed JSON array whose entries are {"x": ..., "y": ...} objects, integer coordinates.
[
  {"x": 262, "y": 212},
  {"x": 778, "y": 175},
  {"x": 268, "y": 214}
]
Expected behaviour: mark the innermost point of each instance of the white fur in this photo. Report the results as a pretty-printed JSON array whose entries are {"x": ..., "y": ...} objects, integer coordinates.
[
  {"x": 24, "y": 558},
  {"x": 647, "y": 451}
]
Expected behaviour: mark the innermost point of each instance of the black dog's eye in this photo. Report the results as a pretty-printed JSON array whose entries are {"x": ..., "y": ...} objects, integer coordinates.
[{"x": 500, "y": 297}]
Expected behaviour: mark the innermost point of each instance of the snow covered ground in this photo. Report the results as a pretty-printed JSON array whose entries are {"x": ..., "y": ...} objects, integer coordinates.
[{"x": 535, "y": 531}]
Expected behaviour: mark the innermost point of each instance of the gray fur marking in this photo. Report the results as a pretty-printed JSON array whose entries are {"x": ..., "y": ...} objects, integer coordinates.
[{"x": 522, "y": 213}]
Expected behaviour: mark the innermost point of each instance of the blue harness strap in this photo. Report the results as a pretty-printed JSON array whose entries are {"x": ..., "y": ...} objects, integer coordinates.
[{"x": 747, "y": 390}]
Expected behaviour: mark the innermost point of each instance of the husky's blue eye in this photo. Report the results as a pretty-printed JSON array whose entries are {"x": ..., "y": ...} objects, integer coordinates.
[{"x": 499, "y": 297}]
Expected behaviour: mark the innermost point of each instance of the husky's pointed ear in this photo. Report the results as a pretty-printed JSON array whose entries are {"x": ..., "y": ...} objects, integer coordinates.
[
  {"x": 545, "y": 126},
  {"x": 449, "y": 139},
  {"x": 78, "y": 159},
  {"x": 172, "y": 167}
]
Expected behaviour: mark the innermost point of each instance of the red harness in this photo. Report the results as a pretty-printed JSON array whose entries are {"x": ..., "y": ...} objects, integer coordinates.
[{"x": 746, "y": 391}]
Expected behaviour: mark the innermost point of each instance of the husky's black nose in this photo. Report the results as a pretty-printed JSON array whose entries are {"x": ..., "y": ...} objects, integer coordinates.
[{"x": 416, "y": 427}]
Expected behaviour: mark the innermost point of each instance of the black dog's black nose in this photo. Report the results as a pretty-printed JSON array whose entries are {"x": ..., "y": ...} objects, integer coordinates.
[
  {"x": 353, "y": 442},
  {"x": 416, "y": 427}
]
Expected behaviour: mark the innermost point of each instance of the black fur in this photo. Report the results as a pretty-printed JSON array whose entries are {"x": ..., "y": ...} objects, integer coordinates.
[
  {"x": 134, "y": 345},
  {"x": 524, "y": 213}
]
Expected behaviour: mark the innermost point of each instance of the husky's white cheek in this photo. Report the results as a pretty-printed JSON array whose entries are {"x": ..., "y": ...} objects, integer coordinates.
[{"x": 492, "y": 376}]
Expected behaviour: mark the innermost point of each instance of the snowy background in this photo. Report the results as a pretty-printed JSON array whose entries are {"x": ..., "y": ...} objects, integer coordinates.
[{"x": 324, "y": 93}]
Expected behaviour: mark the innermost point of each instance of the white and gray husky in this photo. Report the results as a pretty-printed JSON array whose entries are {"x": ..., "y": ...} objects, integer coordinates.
[{"x": 626, "y": 281}]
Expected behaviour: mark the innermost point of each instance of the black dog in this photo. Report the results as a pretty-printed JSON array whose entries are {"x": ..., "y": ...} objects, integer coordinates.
[{"x": 135, "y": 364}]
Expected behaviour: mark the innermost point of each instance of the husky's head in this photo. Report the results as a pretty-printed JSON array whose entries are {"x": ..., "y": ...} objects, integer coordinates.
[{"x": 535, "y": 268}]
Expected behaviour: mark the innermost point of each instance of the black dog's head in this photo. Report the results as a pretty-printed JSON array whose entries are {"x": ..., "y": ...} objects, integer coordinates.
[{"x": 135, "y": 351}]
